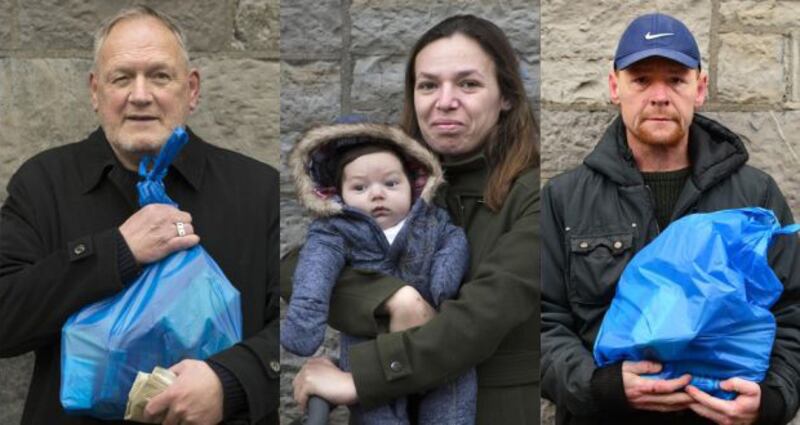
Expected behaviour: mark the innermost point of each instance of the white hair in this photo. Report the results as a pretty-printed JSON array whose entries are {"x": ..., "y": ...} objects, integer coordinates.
[{"x": 139, "y": 12}]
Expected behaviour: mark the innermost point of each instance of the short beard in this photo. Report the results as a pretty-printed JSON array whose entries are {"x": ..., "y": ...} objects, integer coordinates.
[{"x": 645, "y": 136}]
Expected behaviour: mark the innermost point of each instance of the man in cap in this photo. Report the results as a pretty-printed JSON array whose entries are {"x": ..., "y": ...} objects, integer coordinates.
[
  {"x": 71, "y": 232},
  {"x": 657, "y": 162}
]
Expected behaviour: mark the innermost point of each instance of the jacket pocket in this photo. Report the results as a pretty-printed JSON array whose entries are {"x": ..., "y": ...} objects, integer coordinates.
[{"x": 596, "y": 263}]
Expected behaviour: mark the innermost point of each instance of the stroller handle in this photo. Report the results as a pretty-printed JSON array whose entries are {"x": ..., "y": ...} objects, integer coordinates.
[{"x": 318, "y": 411}]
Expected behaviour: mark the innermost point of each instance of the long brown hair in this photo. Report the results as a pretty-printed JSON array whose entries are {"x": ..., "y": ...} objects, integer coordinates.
[{"x": 510, "y": 147}]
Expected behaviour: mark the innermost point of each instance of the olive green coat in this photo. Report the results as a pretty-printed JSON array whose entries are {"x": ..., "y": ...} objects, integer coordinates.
[{"x": 493, "y": 323}]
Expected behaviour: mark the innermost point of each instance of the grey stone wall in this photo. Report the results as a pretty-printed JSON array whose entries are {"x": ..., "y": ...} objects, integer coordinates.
[
  {"x": 341, "y": 57},
  {"x": 45, "y": 56},
  {"x": 750, "y": 50}
]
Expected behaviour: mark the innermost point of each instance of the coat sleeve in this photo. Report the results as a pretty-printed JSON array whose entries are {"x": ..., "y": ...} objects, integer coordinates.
[
  {"x": 255, "y": 361},
  {"x": 318, "y": 267},
  {"x": 356, "y": 301},
  {"x": 781, "y": 386},
  {"x": 41, "y": 287},
  {"x": 450, "y": 264},
  {"x": 467, "y": 330},
  {"x": 567, "y": 365}
]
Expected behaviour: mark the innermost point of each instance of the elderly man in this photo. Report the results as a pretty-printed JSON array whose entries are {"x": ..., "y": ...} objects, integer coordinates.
[
  {"x": 71, "y": 233},
  {"x": 657, "y": 162}
]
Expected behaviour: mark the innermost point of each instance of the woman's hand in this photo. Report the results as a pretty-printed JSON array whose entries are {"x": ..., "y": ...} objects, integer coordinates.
[
  {"x": 407, "y": 309},
  {"x": 320, "y": 377}
]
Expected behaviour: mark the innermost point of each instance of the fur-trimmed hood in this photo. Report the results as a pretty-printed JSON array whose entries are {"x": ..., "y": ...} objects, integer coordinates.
[{"x": 322, "y": 144}]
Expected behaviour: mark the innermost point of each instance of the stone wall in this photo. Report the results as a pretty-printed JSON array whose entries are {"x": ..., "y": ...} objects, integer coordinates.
[
  {"x": 342, "y": 57},
  {"x": 45, "y": 56},
  {"x": 751, "y": 50}
]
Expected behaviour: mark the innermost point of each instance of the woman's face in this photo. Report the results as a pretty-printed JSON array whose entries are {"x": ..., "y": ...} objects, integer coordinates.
[{"x": 456, "y": 95}]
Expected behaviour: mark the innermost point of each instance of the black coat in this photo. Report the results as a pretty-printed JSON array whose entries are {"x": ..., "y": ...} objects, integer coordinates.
[
  {"x": 605, "y": 202},
  {"x": 78, "y": 194}
]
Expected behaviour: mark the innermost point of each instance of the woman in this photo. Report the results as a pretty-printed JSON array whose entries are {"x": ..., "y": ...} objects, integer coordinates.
[{"x": 464, "y": 97}]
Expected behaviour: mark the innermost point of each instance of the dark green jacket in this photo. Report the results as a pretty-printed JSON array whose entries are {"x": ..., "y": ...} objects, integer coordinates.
[
  {"x": 595, "y": 218},
  {"x": 493, "y": 323}
]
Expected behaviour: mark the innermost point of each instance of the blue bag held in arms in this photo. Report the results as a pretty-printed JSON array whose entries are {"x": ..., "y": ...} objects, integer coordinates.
[
  {"x": 181, "y": 307},
  {"x": 697, "y": 299}
]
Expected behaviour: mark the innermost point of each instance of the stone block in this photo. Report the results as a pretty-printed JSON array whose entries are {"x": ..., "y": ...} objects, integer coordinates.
[
  {"x": 575, "y": 81},
  {"x": 208, "y": 23},
  {"x": 9, "y": 19},
  {"x": 571, "y": 29},
  {"x": 751, "y": 68},
  {"x": 773, "y": 13},
  {"x": 771, "y": 139},
  {"x": 377, "y": 89},
  {"x": 310, "y": 94},
  {"x": 43, "y": 103},
  {"x": 310, "y": 28},
  {"x": 531, "y": 78},
  {"x": 16, "y": 373},
  {"x": 568, "y": 136},
  {"x": 239, "y": 106},
  {"x": 294, "y": 219},
  {"x": 381, "y": 27},
  {"x": 257, "y": 26}
]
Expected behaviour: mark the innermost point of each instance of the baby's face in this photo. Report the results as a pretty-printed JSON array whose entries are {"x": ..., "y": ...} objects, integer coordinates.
[{"x": 376, "y": 184}]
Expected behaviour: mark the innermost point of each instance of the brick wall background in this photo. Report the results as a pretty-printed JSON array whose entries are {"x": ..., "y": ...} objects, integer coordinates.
[
  {"x": 750, "y": 50},
  {"x": 341, "y": 57},
  {"x": 45, "y": 56}
]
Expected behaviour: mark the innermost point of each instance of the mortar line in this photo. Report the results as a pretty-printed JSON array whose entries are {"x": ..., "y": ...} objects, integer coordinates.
[{"x": 346, "y": 64}]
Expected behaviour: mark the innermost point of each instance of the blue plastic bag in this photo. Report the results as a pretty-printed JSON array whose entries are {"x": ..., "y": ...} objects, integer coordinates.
[
  {"x": 181, "y": 307},
  {"x": 697, "y": 300}
]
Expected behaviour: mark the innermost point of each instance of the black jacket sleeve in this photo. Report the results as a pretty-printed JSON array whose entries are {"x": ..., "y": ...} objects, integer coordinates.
[
  {"x": 782, "y": 383},
  {"x": 567, "y": 365},
  {"x": 255, "y": 362},
  {"x": 42, "y": 284}
]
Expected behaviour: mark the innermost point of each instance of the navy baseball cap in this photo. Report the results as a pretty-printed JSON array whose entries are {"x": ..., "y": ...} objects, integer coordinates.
[{"x": 657, "y": 34}]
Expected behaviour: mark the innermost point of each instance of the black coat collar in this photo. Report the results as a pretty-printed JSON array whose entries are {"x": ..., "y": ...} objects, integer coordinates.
[{"x": 99, "y": 160}]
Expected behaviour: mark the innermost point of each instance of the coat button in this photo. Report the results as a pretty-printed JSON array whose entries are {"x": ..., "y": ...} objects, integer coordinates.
[
  {"x": 275, "y": 366},
  {"x": 617, "y": 245},
  {"x": 396, "y": 366},
  {"x": 79, "y": 249},
  {"x": 584, "y": 245}
]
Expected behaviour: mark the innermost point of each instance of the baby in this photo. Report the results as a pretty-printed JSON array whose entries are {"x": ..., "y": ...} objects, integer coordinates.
[{"x": 371, "y": 188}]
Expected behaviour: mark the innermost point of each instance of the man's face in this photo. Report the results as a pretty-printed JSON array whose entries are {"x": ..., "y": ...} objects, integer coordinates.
[
  {"x": 141, "y": 88},
  {"x": 376, "y": 184},
  {"x": 657, "y": 98}
]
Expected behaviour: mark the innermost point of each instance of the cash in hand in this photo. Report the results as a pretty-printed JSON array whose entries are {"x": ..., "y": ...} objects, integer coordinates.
[{"x": 145, "y": 387}]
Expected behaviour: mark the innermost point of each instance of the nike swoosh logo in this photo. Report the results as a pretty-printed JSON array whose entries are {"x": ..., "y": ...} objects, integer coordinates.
[{"x": 649, "y": 36}]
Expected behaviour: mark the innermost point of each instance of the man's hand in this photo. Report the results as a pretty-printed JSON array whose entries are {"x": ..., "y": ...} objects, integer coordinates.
[
  {"x": 152, "y": 233},
  {"x": 743, "y": 410},
  {"x": 654, "y": 394},
  {"x": 320, "y": 377},
  {"x": 407, "y": 309},
  {"x": 194, "y": 398}
]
